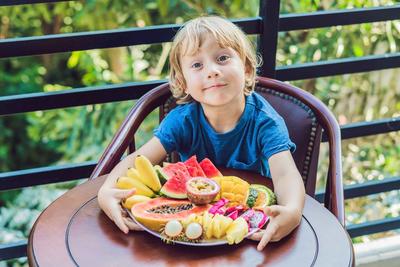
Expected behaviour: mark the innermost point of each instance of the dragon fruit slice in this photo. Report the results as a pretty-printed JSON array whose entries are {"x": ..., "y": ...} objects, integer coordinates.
[
  {"x": 233, "y": 215},
  {"x": 247, "y": 215},
  {"x": 217, "y": 207},
  {"x": 258, "y": 219},
  {"x": 239, "y": 208},
  {"x": 255, "y": 218}
]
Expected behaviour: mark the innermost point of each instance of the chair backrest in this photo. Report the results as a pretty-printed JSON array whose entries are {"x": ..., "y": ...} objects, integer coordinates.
[{"x": 306, "y": 118}]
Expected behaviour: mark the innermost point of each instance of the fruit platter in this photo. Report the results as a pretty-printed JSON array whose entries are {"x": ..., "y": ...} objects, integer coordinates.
[{"x": 192, "y": 203}]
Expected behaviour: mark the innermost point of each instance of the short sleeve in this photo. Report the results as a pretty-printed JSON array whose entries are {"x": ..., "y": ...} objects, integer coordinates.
[
  {"x": 274, "y": 137},
  {"x": 170, "y": 131}
]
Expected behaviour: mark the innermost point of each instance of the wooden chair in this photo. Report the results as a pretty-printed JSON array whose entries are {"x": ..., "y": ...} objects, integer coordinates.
[{"x": 305, "y": 116}]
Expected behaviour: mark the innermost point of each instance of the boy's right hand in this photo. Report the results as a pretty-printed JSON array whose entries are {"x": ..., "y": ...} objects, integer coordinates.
[{"x": 109, "y": 201}]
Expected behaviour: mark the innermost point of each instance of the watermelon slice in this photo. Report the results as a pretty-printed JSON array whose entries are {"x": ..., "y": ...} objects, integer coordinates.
[
  {"x": 209, "y": 169},
  {"x": 193, "y": 167},
  {"x": 178, "y": 175}
]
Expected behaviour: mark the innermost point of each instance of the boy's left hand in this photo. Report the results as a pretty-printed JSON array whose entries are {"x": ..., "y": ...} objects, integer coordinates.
[{"x": 282, "y": 221}]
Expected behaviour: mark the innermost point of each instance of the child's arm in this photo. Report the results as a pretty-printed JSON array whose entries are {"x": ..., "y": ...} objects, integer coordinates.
[
  {"x": 289, "y": 189},
  {"x": 109, "y": 196}
]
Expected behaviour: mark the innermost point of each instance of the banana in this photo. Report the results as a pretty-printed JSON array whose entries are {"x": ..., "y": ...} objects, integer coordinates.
[
  {"x": 133, "y": 173},
  {"x": 147, "y": 174},
  {"x": 128, "y": 183},
  {"x": 132, "y": 200}
]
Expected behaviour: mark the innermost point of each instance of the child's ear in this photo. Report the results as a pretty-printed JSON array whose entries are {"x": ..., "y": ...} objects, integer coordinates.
[{"x": 247, "y": 71}]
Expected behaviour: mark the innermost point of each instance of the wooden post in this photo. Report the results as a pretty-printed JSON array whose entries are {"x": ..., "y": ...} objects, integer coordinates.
[{"x": 268, "y": 39}]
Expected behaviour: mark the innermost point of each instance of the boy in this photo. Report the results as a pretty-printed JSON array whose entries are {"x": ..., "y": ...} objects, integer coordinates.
[{"x": 212, "y": 75}]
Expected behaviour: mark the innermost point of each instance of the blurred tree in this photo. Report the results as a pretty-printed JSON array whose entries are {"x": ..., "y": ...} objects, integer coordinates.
[{"x": 80, "y": 134}]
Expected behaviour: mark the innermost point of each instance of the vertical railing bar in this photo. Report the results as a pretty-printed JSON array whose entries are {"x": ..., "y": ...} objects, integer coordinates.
[{"x": 268, "y": 39}]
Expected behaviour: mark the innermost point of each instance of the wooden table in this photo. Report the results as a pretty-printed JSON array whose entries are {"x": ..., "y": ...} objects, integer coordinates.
[{"x": 73, "y": 231}]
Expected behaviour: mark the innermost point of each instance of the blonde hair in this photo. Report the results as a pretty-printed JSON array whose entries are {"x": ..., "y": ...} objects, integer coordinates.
[{"x": 189, "y": 39}]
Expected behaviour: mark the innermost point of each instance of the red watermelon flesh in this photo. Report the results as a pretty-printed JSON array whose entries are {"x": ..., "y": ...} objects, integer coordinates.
[
  {"x": 209, "y": 168},
  {"x": 193, "y": 167},
  {"x": 178, "y": 175}
]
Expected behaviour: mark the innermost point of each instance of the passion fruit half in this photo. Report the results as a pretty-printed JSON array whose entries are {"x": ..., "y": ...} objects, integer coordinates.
[{"x": 201, "y": 190}]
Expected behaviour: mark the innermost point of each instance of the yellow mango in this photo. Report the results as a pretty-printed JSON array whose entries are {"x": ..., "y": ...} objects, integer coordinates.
[
  {"x": 240, "y": 189},
  {"x": 227, "y": 195},
  {"x": 227, "y": 186},
  {"x": 238, "y": 198},
  {"x": 233, "y": 188}
]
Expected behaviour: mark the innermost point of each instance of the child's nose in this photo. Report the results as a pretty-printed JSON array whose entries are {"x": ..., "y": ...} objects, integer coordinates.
[{"x": 213, "y": 72}]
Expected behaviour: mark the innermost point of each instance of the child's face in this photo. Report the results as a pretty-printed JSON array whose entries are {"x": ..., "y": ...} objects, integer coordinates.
[{"x": 214, "y": 76}]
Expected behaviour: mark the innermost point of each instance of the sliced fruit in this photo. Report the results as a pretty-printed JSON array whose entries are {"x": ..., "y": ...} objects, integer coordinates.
[
  {"x": 258, "y": 219},
  {"x": 162, "y": 176},
  {"x": 216, "y": 208},
  {"x": 225, "y": 223},
  {"x": 237, "y": 231},
  {"x": 154, "y": 214},
  {"x": 148, "y": 175},
  {"x": 173, "y": 228},
  {"x": 216, "y": 225},
  {"x": 209, "y": 168},
  {"x": 201, "y": 190},
  {"x": 193, "y": 231},
  {"x": 175, "y": 187},
  {"x": 193, "y": 167},
  {"x": 189, "y": 219},
  {"x": 266, "y": 196},
  {"x": 133, "y": 200},
  {"x": 233, "y": 188},
  {"x": 165, "y": 164},
  {"x": 209, "y": 230},
  {"x": 252, "y": 198},
  {"x": 129, "y": 183},
  {"x": 207, "y": 222}
]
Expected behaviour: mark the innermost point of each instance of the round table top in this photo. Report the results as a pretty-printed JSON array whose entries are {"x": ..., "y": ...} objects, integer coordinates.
[{"x": 73, "y": 231}]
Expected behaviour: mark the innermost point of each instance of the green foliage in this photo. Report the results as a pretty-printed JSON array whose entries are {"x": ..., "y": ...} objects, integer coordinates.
[{"x": 78, "y": 134}]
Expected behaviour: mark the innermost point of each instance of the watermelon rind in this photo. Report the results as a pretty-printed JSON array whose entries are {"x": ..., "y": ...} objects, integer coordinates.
[
  {"x": 169, "y": 194},
  {"x": 175, "y": 187},
  {"x": 161, "y": 174}
]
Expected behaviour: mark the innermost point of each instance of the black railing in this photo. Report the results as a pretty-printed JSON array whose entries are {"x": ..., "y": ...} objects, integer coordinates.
[{"x": 267, "y": 26}]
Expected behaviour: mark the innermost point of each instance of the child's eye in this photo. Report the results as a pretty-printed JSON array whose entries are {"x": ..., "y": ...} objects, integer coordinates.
[
  {"x": 223, "y": 58},
  {"x": 196, "y": 65}
]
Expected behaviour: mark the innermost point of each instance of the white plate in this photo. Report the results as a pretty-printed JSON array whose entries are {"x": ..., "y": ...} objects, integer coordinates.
[{"x": 202, "y": 243}]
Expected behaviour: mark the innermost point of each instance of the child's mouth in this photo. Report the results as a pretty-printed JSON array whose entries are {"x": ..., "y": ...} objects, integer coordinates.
[{"x": 215, "y": 86}]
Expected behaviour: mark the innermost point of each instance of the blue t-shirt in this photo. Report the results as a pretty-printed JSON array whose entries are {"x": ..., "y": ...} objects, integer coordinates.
[{"x": 260, "y": 133}]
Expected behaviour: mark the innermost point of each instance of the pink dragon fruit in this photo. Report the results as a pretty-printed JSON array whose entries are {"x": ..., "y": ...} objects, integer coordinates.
[
  {"x": 218, "y": 207},
  {"x": 255, "y": 218},
  {"x": 233, "y": 215}
]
